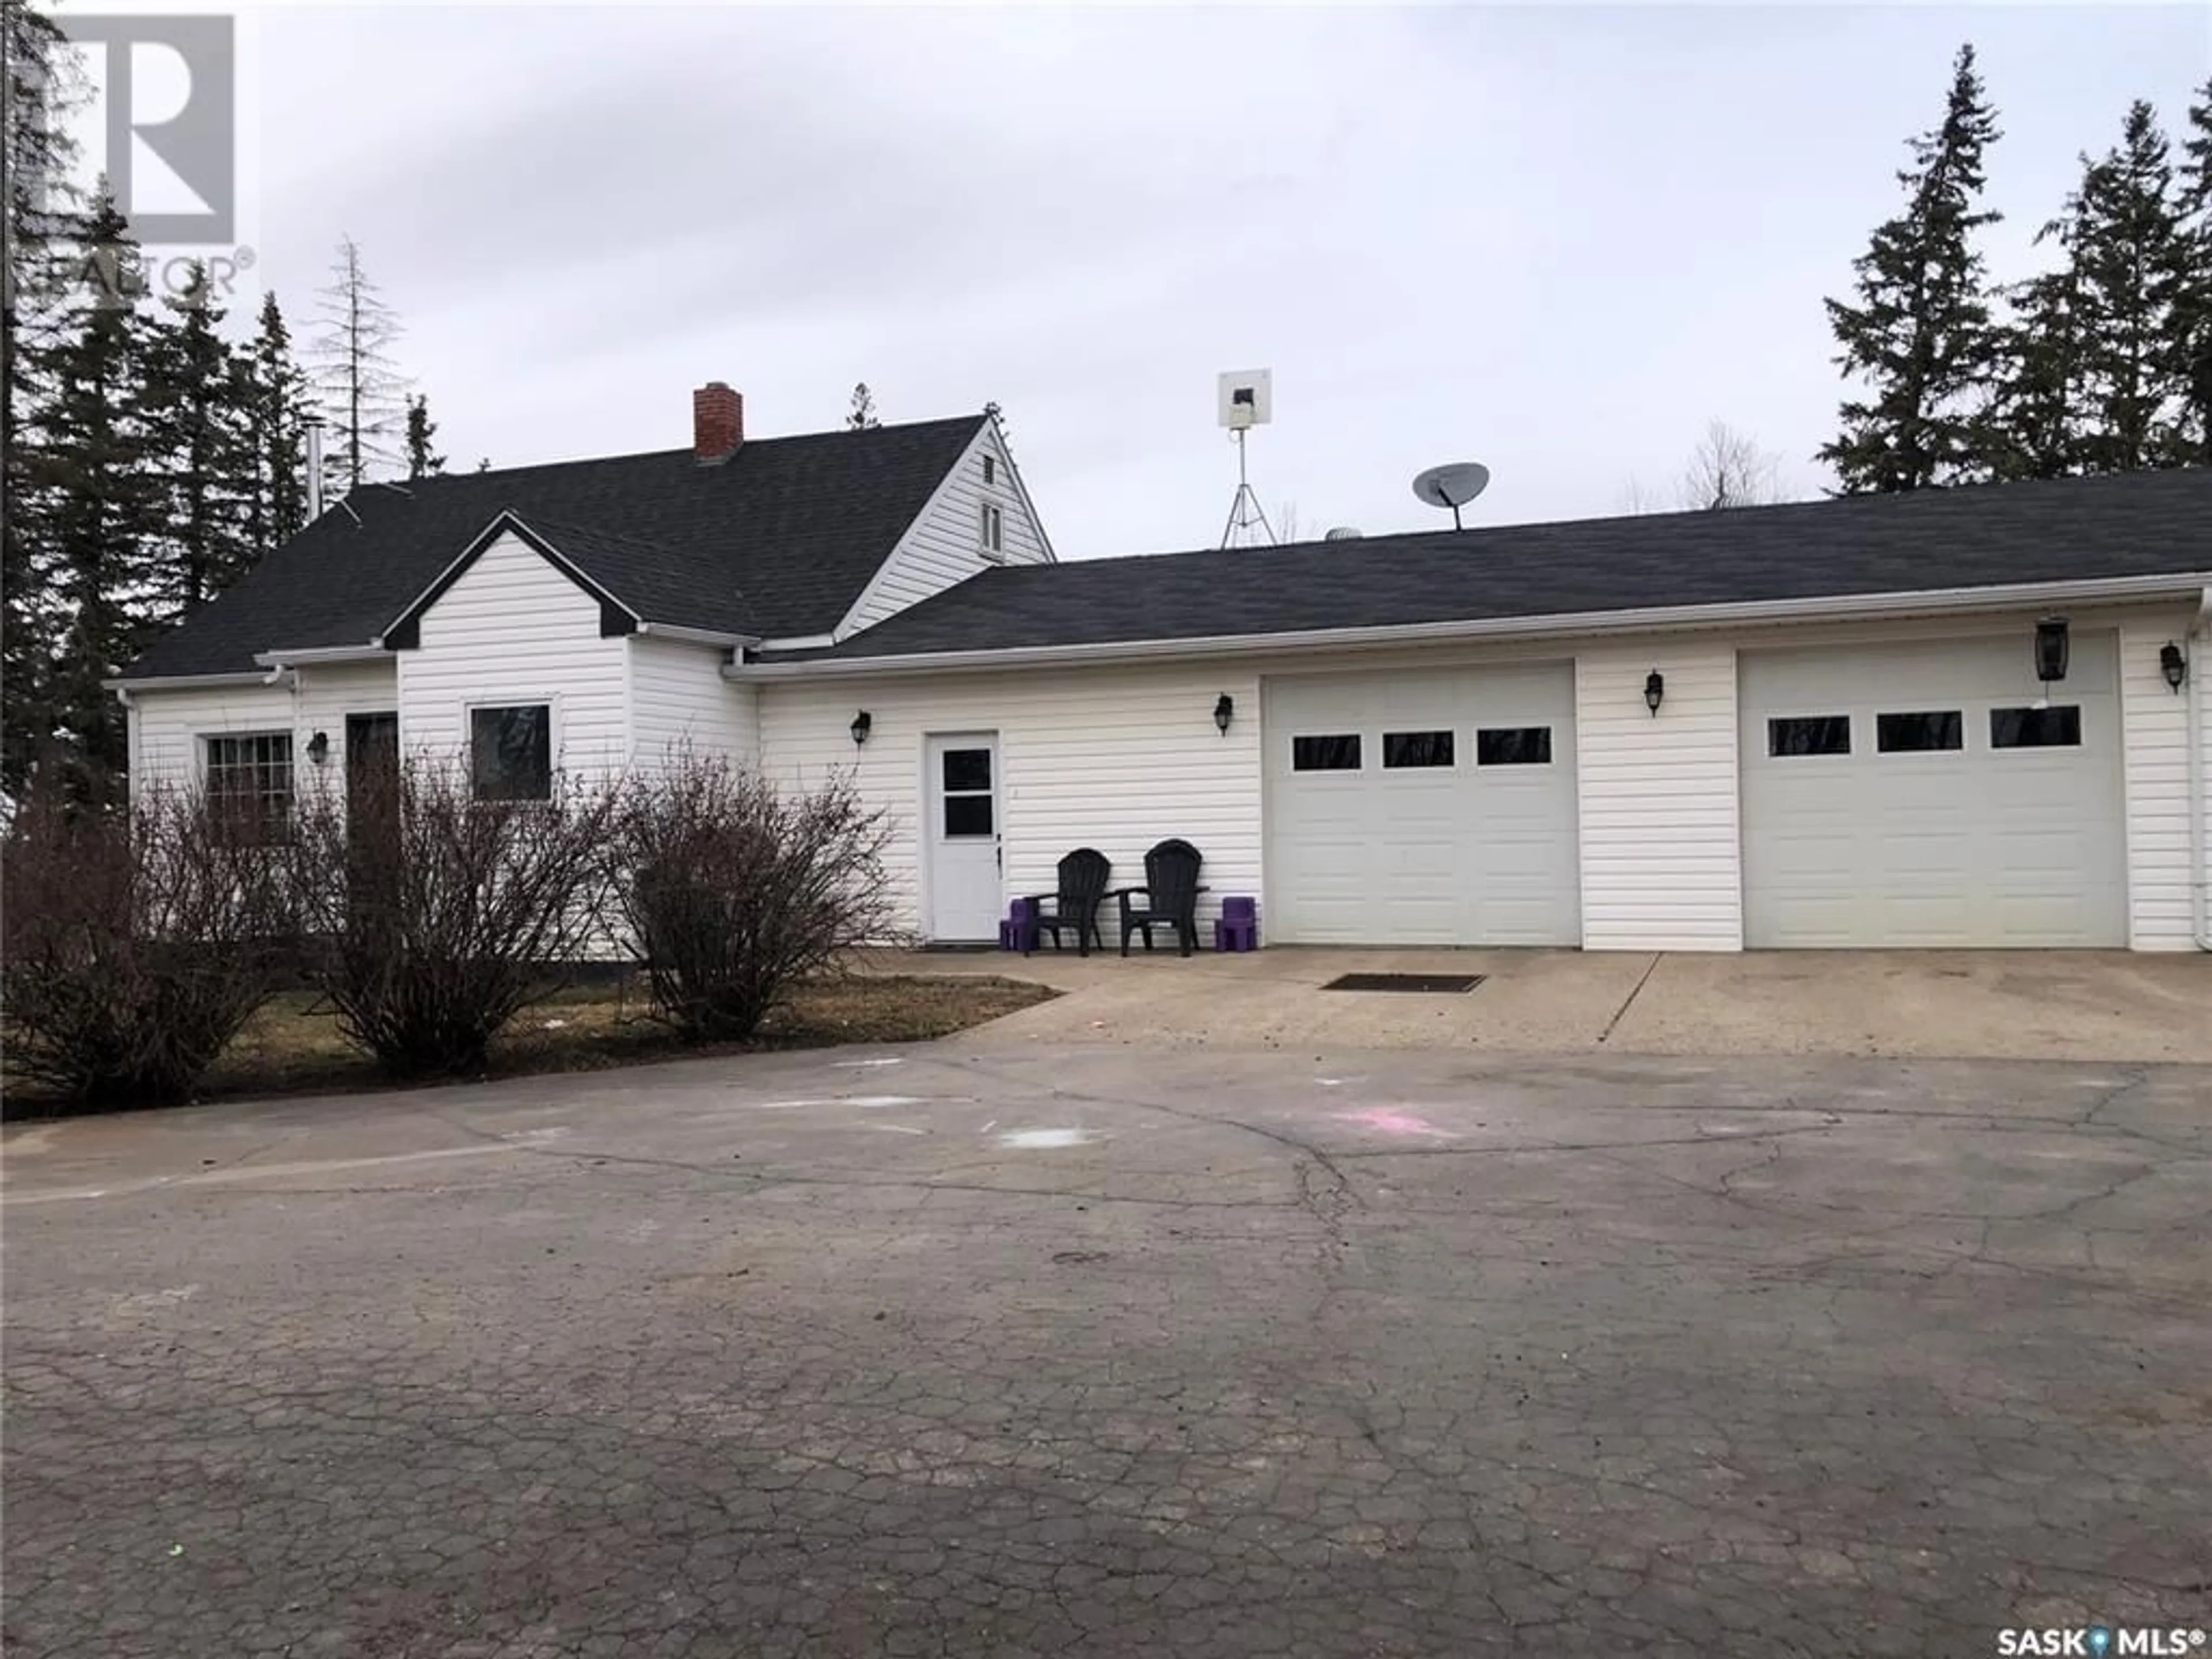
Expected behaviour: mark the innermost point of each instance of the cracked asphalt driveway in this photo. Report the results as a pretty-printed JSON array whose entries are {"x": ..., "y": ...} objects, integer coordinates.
[{"x": 975, "y": 1349}]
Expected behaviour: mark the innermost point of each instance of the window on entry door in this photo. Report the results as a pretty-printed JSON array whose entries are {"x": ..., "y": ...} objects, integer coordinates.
[{"x": 967, "y": 791}]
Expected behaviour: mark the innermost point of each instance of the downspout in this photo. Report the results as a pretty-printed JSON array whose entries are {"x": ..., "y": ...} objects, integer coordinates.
[{"x": 2195, "y": 732}]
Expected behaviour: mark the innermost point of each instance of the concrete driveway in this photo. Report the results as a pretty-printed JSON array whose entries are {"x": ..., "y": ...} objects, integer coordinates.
[
  {"x": 2012, "y": 1005},
  {"x": 988, "y": 1348}
]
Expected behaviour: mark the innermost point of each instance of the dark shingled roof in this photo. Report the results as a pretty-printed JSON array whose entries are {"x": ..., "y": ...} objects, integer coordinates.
[
  {"x": 777, "y": 541},
  {"x": 2144, "y": 524}
]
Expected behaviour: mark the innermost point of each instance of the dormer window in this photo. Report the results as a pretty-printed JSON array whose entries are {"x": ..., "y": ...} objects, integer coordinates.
[
  {"x": 990, "y": 469},
  {"x": 993, "y": 530}
]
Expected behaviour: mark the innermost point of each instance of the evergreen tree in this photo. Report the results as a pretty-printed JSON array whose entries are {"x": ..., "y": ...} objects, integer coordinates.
[
  {"x": 862, "y": 416},
  {"x": 35, "y": 230},
  {"x": 2191, "y": 443},
  {"x": 99, "y": 503},
  {"x": 422, "y": 462},
  {"x": 356, "y": 380},
  {"x": 2125, "y": 241},
  {"x": 276, "y": 413},
  {"x": 2037, "y": 415},
  {"x": 1920, "y": 332},
  {"x": 200, "y": 451}
]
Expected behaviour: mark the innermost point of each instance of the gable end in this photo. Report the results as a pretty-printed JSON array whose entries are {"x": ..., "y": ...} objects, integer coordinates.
[{"x": 405, "y": 632}]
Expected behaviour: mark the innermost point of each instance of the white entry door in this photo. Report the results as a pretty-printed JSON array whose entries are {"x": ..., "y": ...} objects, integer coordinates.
[{"x": 963, "y": 838}]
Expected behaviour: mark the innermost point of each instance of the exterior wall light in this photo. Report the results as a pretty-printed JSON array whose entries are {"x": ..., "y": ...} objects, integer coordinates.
[
  {"x": 318, "y": 747},
  {"x": 2173, "y": 665},
  {"x": 2051, "y": 649},
  {"x": 1654, "y": 691},
  {"x": 1225, "y": 710},
  {"x": 863, "y": 723}
]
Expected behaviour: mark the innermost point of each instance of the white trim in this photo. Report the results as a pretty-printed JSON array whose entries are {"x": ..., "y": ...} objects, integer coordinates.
[
  {"x": 800, "y": 642},
  {"x": 699, "y": 636},
  {"x": 1933, "y": 602},
  {"x": 2194, "y": 733},
  {"x": 1021, "y": 488},
  {"x": 307, "y": 656}
]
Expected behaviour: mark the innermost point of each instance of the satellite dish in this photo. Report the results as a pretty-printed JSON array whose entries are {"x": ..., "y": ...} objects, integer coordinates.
[
  {"x": 1344, "y": 533},
  {"x": 1453, "y": 485}
]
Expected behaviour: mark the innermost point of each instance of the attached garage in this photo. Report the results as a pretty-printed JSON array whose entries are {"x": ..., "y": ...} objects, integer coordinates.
[
  {"x": 1433, "y": 807},
  {"x": 1933, "y": 793}
]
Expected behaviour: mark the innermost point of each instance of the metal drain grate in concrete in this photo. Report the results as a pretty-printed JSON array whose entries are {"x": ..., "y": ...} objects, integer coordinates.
[{"x": 1432, "y": 983}]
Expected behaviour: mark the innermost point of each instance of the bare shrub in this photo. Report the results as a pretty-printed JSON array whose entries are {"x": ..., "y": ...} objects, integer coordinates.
[
  {"x": 436, "y": 917},
  {"x": 733, "y": 893},
  {"x": 137, "y": 939}
]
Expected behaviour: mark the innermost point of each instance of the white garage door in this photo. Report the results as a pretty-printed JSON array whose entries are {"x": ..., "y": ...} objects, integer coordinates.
[
  {"x": 1434, "y": 807},
  {"x": 1914, "y": 795}
]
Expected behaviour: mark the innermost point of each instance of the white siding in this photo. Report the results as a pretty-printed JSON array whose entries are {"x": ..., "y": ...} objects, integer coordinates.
[
  {"x": 945, "y": 545},
  {"x": 513, "y": 630},
  {"x": 1662, "y": 855},
  {"x": 1114, "y": 758},
  {"x": 166, "y": 727},
  {"x": 2155, "y": 722},
  {"x": 678, "y": 699}
]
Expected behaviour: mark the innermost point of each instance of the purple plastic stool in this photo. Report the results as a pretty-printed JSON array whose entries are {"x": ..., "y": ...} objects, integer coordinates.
[
  {"x": 1019, "y": 931},
  {"x": 1238, "y": 929}
]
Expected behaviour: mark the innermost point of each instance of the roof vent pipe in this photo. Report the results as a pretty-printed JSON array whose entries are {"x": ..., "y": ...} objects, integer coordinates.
[{"x": 314, "y": 468}]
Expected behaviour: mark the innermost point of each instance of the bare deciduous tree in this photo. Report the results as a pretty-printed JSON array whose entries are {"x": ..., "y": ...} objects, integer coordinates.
[
  {"x": 356, "y": 380},
  {"x": 1727, "y": 469}
]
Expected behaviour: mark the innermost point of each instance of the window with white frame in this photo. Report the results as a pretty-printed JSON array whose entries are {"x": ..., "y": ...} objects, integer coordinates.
[
  {"x": 994, "y": 529},
  {"x": 511, "y": 752},
  {"x": 990, "y": 469},
  {"x": 249, "y": 785}
]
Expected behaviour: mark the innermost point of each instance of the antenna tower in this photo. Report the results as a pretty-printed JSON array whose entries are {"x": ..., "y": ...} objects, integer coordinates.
[{"x": 1246, "y": 399}]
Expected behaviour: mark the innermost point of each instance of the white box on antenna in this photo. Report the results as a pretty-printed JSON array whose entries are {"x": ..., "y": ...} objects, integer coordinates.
[{"x": 1246, "y": 397}]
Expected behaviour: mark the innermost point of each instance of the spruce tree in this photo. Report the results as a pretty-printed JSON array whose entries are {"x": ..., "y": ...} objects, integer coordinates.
[
  {"x": 2129, "y": 258},
  {"x": 277, "y": 409},
  {"x": 200, "y": 451},
  {"x": 2037, "y": 417},
  {"x": 35, "y": 231},
  {"x": 2190, "y": 443},
  {"x": 422, "y": 461},
  {"x": 1919, "y": 332},
  {"x": 99, "y": 504}
]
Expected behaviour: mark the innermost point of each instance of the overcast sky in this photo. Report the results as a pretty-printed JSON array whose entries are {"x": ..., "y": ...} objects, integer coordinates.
[{"x": 1556, "y": 239}]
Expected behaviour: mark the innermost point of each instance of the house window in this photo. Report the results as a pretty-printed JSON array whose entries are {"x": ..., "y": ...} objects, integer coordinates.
[
  {"x": 995, "y": 529},
  {"x": 511, "y": 752},
  {"x": 249, "y": 785},
  {"x": 2055, "y": 727},
  {"x": 1412, "y": 749},
  {"x": 990, "y": 469},
  {"x": 1513, "y": 745},
  {"x": 1906, "y": 734},
  {"x": 969, "y": 803},
  {"x": 1810, "y": 734},
  {"x": 1329, "y": 754}
]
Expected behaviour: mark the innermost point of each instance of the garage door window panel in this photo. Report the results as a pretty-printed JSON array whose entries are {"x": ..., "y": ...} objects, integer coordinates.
[
  {"x": 1513, "y": 745},
  {"x": 1335, "y": 752},
  {"x": 1792, "y": 736},
  {"x": 1922, "y": 731},
  {"x": 1412, "y": 751},
  {"x": 2058, "y": 726}
]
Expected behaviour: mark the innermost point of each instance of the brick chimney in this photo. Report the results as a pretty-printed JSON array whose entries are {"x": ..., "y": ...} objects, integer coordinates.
[{"x": 718, "y": 423}]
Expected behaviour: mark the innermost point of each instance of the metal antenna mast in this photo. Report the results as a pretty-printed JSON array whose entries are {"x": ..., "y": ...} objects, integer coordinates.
[{"x": 1245, "y": 400}]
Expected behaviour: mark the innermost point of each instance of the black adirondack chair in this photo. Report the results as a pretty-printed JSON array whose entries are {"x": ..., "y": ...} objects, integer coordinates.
[
  {"x": 1083, "y": 876},
  {"x": 1169, "y": 897}
]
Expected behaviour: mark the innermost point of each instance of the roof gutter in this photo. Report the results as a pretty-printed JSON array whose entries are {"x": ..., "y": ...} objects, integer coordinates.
[
  {"x": 309, "y": 656},
  {"x": 1933, "y": 602},
  {"x": 698, "y": 635},
  {"x": 185, "y": 682}
]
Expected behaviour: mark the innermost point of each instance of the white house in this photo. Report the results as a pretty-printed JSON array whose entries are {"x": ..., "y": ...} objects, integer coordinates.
[{"x": 1967, "y": 717}]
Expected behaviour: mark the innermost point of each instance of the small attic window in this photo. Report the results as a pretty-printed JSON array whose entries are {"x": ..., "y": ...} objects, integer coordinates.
[
  {"x": 990, "y": 469},
  {"x": 994, "y": 529}
]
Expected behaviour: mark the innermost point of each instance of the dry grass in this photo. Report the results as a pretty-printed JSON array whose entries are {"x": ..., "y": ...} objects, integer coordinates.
[{"x": 292, "y": 1045}]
